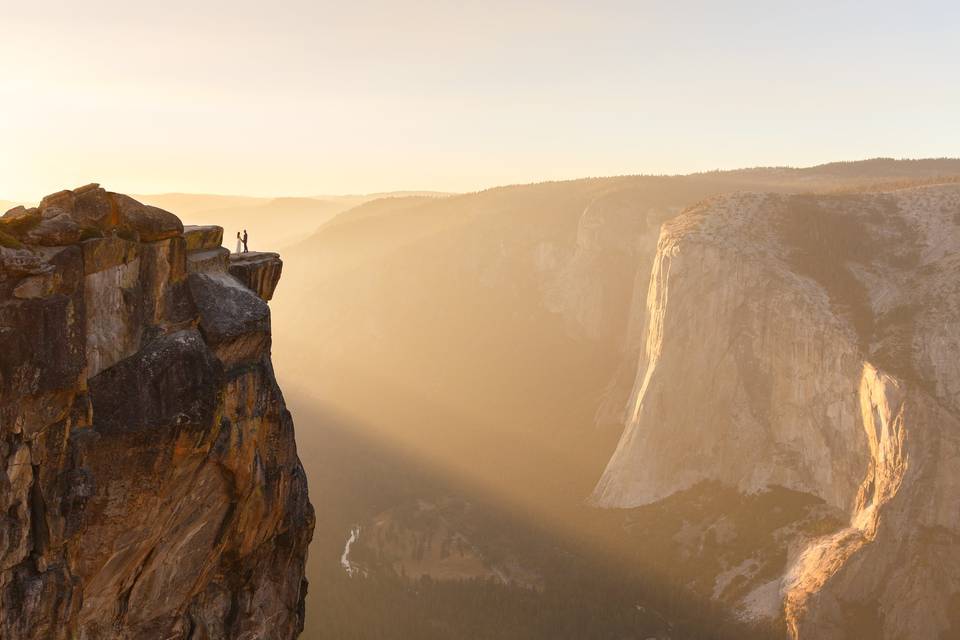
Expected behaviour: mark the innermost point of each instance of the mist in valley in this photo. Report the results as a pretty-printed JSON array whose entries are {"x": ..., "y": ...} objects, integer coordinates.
[
  {"x": 503, "y": 321},
  {"x": 461, "y": 369}
]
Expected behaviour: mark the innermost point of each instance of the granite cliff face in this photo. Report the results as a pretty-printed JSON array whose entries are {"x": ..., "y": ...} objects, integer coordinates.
[
  {"x": 811, "y": 343},
  {"x": 150, "y": 486}
]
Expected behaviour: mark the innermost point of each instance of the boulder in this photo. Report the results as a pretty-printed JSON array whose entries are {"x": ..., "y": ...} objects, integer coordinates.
[
  {"x": 58, "y": 230},
  {"x": 259, "y": 272},
  {"x": 93, "y": 208},
  {"x": 93, "y": 186},
  {"x": 89, "y": 206},
  {"x": 208, "y": 261},
  {"x": 150, "y": 223},
  {"x": 233, "y": 319},
  {"x": 18, "y": 213},
  {"x": 198, "y": 237},
  {"x": 15, "y": 224},
  {"x": 174, "y": 380},
  {"x": 61, "y": 199}
]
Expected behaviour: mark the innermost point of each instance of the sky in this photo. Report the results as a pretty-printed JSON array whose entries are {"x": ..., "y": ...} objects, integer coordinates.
[{"x": 295, "y": 97}]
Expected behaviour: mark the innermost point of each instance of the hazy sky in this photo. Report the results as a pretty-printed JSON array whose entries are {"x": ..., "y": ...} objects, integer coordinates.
[{"x": 306, "y": 97}]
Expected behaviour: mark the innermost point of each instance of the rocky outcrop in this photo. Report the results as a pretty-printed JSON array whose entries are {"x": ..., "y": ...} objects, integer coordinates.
[
  {"x": 151, "y": 484},
  {"x": 234, "y": 321},
  {"x": 259, "y": 272},
  {"x": 810, "y": 342},
  {"x": 200, "y": 237},
  {"x": 208, "y": 260}
]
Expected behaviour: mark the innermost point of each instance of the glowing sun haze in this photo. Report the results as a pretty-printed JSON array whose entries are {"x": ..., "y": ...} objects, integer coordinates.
[{"x": 301, "y": 98}]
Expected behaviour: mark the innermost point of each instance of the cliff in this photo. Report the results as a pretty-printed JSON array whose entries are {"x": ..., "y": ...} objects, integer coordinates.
[
  {"x": 811, "y": 342},
  {"x": 151, "y": 485},
  {"x": 537, "y": 287}
]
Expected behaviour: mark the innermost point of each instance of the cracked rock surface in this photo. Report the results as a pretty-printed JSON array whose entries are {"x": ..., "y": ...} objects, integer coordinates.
[{"x": 149, "y": 479}]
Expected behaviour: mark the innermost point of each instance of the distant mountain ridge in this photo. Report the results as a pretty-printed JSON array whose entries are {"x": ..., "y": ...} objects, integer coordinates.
[
  {"x": 501, "y": 332},
  {"x": 271, "y": 222}
]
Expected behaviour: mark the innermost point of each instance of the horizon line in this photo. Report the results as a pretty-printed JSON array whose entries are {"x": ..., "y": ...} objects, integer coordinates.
[{"x": 440, "y": 192}]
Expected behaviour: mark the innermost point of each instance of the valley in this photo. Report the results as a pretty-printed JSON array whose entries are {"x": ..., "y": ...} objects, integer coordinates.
[{"x": 497, "y": 341}]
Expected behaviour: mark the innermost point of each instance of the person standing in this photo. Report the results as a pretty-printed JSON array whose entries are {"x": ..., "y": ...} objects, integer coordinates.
[
  {"x": 245, "y": 241},
  {"x": 238, "y": 242}
]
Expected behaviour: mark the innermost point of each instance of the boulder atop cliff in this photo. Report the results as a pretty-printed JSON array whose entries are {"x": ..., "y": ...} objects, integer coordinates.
[
  {"x": 66, "y": 217},
  {"x": 203, "y": 236},
  {"x": 152, "y": 486}
]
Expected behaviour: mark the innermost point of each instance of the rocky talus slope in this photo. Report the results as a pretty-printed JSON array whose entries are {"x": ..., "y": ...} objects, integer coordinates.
[
  {"x": 150, "y": 485},
  {"x": 812, "y": 343}
]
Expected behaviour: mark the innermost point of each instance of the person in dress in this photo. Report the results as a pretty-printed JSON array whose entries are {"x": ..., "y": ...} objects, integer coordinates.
[{"x": 239, "y": 241}]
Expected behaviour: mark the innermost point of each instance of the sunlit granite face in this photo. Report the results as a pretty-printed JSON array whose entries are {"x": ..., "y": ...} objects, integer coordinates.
[
  {"x": 152, "y": 486},
  {"x": 811, "y": 342}
]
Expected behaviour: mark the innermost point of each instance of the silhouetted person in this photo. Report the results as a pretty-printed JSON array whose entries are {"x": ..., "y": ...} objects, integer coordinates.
[
  {"x": 245, "y": 241},
  {"x": 239, "y": 242}
]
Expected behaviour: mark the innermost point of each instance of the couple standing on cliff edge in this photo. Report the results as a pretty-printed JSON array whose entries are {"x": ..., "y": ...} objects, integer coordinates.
[{"x": 242, "y": 241}]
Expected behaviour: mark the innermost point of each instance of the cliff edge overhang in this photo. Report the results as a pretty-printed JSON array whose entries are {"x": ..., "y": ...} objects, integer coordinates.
[{"x": 152, "y": 486}]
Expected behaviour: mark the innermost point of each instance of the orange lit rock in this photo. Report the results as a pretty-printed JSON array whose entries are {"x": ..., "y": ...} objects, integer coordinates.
[
  {"x": 811, "y": 342},
  {"x": 149, "y": 487}
]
